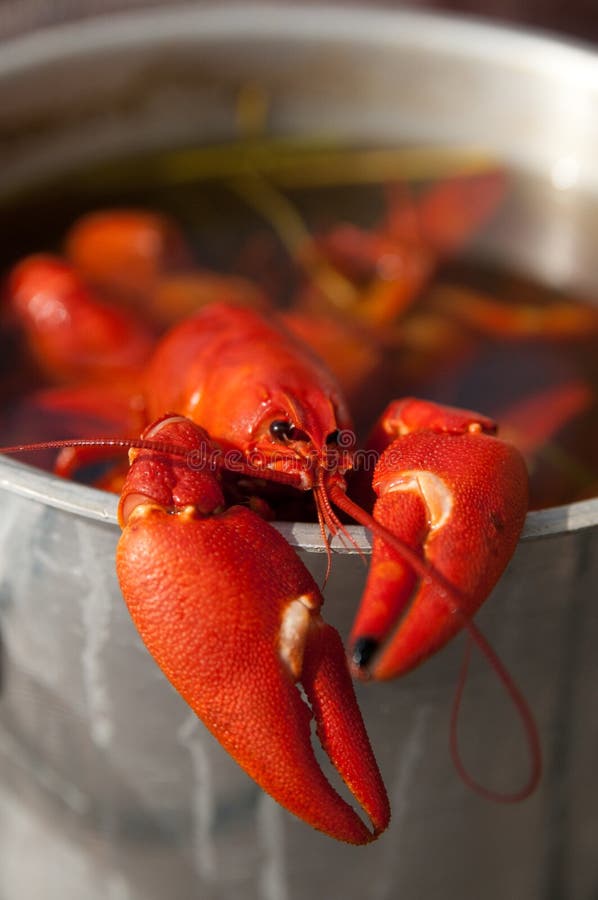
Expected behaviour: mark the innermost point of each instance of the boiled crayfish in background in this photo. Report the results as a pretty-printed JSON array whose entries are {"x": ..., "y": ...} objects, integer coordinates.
[{"x": 232, "y": 421}]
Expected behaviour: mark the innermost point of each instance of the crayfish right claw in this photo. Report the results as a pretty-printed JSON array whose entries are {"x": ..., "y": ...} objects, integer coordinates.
[{"x": 232, "y": 617}]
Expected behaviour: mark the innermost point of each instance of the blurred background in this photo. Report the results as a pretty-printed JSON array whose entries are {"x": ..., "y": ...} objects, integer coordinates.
[{"x": 578, "y": 19}]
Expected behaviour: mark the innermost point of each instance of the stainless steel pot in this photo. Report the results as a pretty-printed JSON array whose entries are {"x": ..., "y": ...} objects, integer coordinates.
[{"x": 109, "y": 788}]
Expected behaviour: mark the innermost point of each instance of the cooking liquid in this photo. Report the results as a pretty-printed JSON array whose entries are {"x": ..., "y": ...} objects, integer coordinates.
[{"x": 541, "y": 387}]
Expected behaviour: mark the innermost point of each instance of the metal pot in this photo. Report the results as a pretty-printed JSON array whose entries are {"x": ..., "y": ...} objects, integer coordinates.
[{"x": 111, "y": 785}]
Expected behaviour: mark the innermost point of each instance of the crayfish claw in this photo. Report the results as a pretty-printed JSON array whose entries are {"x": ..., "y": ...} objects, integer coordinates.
[
  {"x": 232, "y": 617},
  {"x": 451, "y": 503},
  {"x": 363, "y": 651},
  {"x": 340, "y": 728}
]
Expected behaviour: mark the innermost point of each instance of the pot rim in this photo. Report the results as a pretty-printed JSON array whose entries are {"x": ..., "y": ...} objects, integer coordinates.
[
  {"x": 264, "y": 22},
  {"x": 519, "y": 46},
  {"x": 91, "y": 503}
]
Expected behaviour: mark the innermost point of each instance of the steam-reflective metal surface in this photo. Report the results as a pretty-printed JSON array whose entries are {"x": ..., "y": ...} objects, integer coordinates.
[{"x": 113, "y": 787}]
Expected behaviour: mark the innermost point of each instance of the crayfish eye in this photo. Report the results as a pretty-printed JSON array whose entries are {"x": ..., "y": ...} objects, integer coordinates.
[{"x": 283, "y": 430}]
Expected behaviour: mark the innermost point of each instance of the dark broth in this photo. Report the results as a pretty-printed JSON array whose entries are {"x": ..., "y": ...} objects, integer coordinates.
[{"x": 493, "y": 373}]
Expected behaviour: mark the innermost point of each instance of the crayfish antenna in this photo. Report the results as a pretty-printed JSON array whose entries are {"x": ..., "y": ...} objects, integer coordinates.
[
  {"x": 328, "y": 520},
  {"x": 118, "y": 444},
  {"x": 424, "y": 571},
  {"x": 476, "y": 637},
  {"x": 329, "y": 517},
  {"x": 198, "y": 457},
  {"x": 452, "y": 598},
  {"x": 326, "y": 525}
]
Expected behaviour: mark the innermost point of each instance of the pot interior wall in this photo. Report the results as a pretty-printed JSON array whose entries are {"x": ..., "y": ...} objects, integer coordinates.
[{"x": 120, "y": 89}]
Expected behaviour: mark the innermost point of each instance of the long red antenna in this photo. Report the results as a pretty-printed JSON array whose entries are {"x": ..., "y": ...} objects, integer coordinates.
[
  {"x": 452, "y": 597},
  {"x": 197, "y": 456}
]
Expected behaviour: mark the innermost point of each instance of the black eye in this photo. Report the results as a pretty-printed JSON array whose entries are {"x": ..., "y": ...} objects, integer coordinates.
[
  {"x": 332, "y": 438},
  {"x": 283, "y": 430}
]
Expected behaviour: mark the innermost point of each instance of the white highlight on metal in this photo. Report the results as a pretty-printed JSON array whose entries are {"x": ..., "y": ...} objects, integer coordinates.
[
  {"x": 294, "y": 628},
  {"x": 273, "y": 878},
  {"x": 41, "y": 858},
  {"x": 191, "y": 736},
  {"x": 95, "y": 613},
  {"x": 405, "y": 792},
  {"x": 565, "y": 172},
  {"x": 435, "y": 493},
  {"x": 117, "y": 887},
  {"x": 39, "y": 771}
]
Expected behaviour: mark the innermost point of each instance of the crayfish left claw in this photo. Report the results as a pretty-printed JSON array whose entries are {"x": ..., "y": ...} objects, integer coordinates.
[
  {"x": 455, "y": 498},
  {"x": 232, "y": 617}
]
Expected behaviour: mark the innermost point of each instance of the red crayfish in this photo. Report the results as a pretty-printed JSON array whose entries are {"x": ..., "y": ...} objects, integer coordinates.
[{"x": 234, "y": 411}]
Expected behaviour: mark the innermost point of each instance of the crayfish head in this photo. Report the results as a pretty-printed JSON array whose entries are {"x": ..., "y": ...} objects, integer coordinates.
[{"x": 296, "y": 440}]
